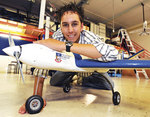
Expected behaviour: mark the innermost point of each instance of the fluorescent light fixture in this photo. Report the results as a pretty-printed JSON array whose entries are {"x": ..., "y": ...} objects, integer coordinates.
[
  {"x": 21, "y": 24},
  {"x": 3, "y": 20},
  {"x": 7, "y": 36},
  {"x": 12, "y": 22},
  {"x": 10, "y": 28}
]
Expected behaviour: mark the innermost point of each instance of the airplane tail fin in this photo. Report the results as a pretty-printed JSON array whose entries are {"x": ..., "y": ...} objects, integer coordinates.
[
  {"x": 11, "y": 41},
  {"x": 136, "y": 54}
]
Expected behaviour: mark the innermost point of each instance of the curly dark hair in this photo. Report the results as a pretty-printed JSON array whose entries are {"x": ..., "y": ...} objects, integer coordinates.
[{"x": 72, "y": 6}]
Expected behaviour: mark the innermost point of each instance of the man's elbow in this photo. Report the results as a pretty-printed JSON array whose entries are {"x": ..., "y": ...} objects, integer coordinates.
[{"x": 97, "y": 56}]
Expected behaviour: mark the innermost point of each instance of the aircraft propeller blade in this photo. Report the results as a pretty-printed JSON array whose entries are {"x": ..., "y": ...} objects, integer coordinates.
[{"x": 16, "y": 54}]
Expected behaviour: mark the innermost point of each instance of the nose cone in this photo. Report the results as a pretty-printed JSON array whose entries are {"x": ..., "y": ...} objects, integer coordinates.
[{"x": 10, "y": 50}]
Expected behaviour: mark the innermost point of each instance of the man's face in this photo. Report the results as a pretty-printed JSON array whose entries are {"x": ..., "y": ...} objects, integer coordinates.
[{"x": 71, "y": 26}]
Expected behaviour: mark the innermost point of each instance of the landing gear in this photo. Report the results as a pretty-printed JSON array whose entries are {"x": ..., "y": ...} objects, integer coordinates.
[
  {"x": 67, "y": 84},
  {"x": 66, "y": 88},
  {"x": 116, "y": 98},
  {"x": 34, "y": 104}
]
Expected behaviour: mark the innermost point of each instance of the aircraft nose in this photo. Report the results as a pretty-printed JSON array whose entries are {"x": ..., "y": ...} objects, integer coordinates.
[{"x": 10, "y": 50}]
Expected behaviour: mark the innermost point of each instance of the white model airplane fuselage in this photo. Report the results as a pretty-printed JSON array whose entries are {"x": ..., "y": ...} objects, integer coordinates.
[{"x": 40, "y": 56}]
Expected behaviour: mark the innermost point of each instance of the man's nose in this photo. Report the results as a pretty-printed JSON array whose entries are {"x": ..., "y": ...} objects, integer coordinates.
[{"x": 70, "y": 28}]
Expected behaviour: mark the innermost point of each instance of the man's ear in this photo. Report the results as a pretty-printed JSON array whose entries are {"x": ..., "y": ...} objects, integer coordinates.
[{"x": 82, "y": 26}]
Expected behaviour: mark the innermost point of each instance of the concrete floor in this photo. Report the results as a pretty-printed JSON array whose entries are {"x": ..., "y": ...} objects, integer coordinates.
[{"x": 79, "y": 102}]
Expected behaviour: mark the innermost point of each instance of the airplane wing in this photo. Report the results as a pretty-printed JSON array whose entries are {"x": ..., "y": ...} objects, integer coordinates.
[
  {"x": 89, "y": 63},
  {"x": 43, "y": 57}
]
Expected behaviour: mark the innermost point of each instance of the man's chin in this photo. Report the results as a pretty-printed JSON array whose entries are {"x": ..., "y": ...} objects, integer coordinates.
[{"x": 71, "y": 40}]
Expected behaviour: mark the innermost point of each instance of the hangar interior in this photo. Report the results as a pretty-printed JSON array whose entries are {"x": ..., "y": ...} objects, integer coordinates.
[{"x": 114, "y": 21}]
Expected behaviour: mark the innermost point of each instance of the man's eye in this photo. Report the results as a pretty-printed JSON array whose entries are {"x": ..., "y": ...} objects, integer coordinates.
[
  {"x": 74, "y": 24},
  {"x": 65, "y": 25}
]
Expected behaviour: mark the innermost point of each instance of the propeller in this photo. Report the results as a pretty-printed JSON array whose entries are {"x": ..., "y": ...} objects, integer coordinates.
[
  {"x": 14, "y": 51},
  {"x": 17, "y": 55},
  {"x": 10, "y": 40}
]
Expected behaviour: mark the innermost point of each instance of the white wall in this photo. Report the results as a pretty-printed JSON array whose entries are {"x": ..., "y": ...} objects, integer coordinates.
[
  {"x": 143, "y": 40},
  {"x": 4, "y": 61}
]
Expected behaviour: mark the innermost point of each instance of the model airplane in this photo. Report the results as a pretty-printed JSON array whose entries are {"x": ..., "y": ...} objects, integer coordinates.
[{"x": 43, "y": 57}]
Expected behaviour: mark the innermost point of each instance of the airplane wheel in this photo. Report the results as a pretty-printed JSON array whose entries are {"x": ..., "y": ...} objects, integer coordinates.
[
  {"x": 116, "y": 98},
  {"x": 66, "y": 88},
  {"x": 34, "y": 104}
]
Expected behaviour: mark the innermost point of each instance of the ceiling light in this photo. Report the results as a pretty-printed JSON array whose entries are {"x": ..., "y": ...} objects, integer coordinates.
[
  {"x": 12, "y": 22},
  {"x": 10, "y": 28},
  {"x": 7, "y": 36},
  {"x": 32, "y": 1},
  {"x": 21, "y": 24},
  {"x": 3, "y": 20}
]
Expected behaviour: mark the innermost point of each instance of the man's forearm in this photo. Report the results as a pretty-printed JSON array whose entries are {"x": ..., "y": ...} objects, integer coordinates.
[
  {"x": 83, "y": 49},
  {"x": 86, "y": 49},
  {"x": 53, "y": 44}
]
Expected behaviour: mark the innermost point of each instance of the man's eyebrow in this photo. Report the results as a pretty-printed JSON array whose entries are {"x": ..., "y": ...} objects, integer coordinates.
[
  {"x": 64, "y": 22},
  {"x": 75, "y": 21},
  {"x": 71, "y": 22}
]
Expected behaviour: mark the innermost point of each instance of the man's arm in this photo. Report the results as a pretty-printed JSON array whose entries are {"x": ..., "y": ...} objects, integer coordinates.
[{"x": 84, "y": 49}]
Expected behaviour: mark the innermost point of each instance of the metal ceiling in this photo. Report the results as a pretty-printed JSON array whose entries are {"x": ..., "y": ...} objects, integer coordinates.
[{"x": 127, "y": 13}]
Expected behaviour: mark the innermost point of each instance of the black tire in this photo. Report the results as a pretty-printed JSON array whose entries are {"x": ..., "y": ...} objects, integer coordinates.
[
  {"x": 116, "y": 98},
  {"x": 66, "y": 88},
  {"x": 34, "y": 104}
]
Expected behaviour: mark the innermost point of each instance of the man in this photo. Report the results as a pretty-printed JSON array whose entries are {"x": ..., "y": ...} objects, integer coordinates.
[{"x": 72, "y": 38}]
